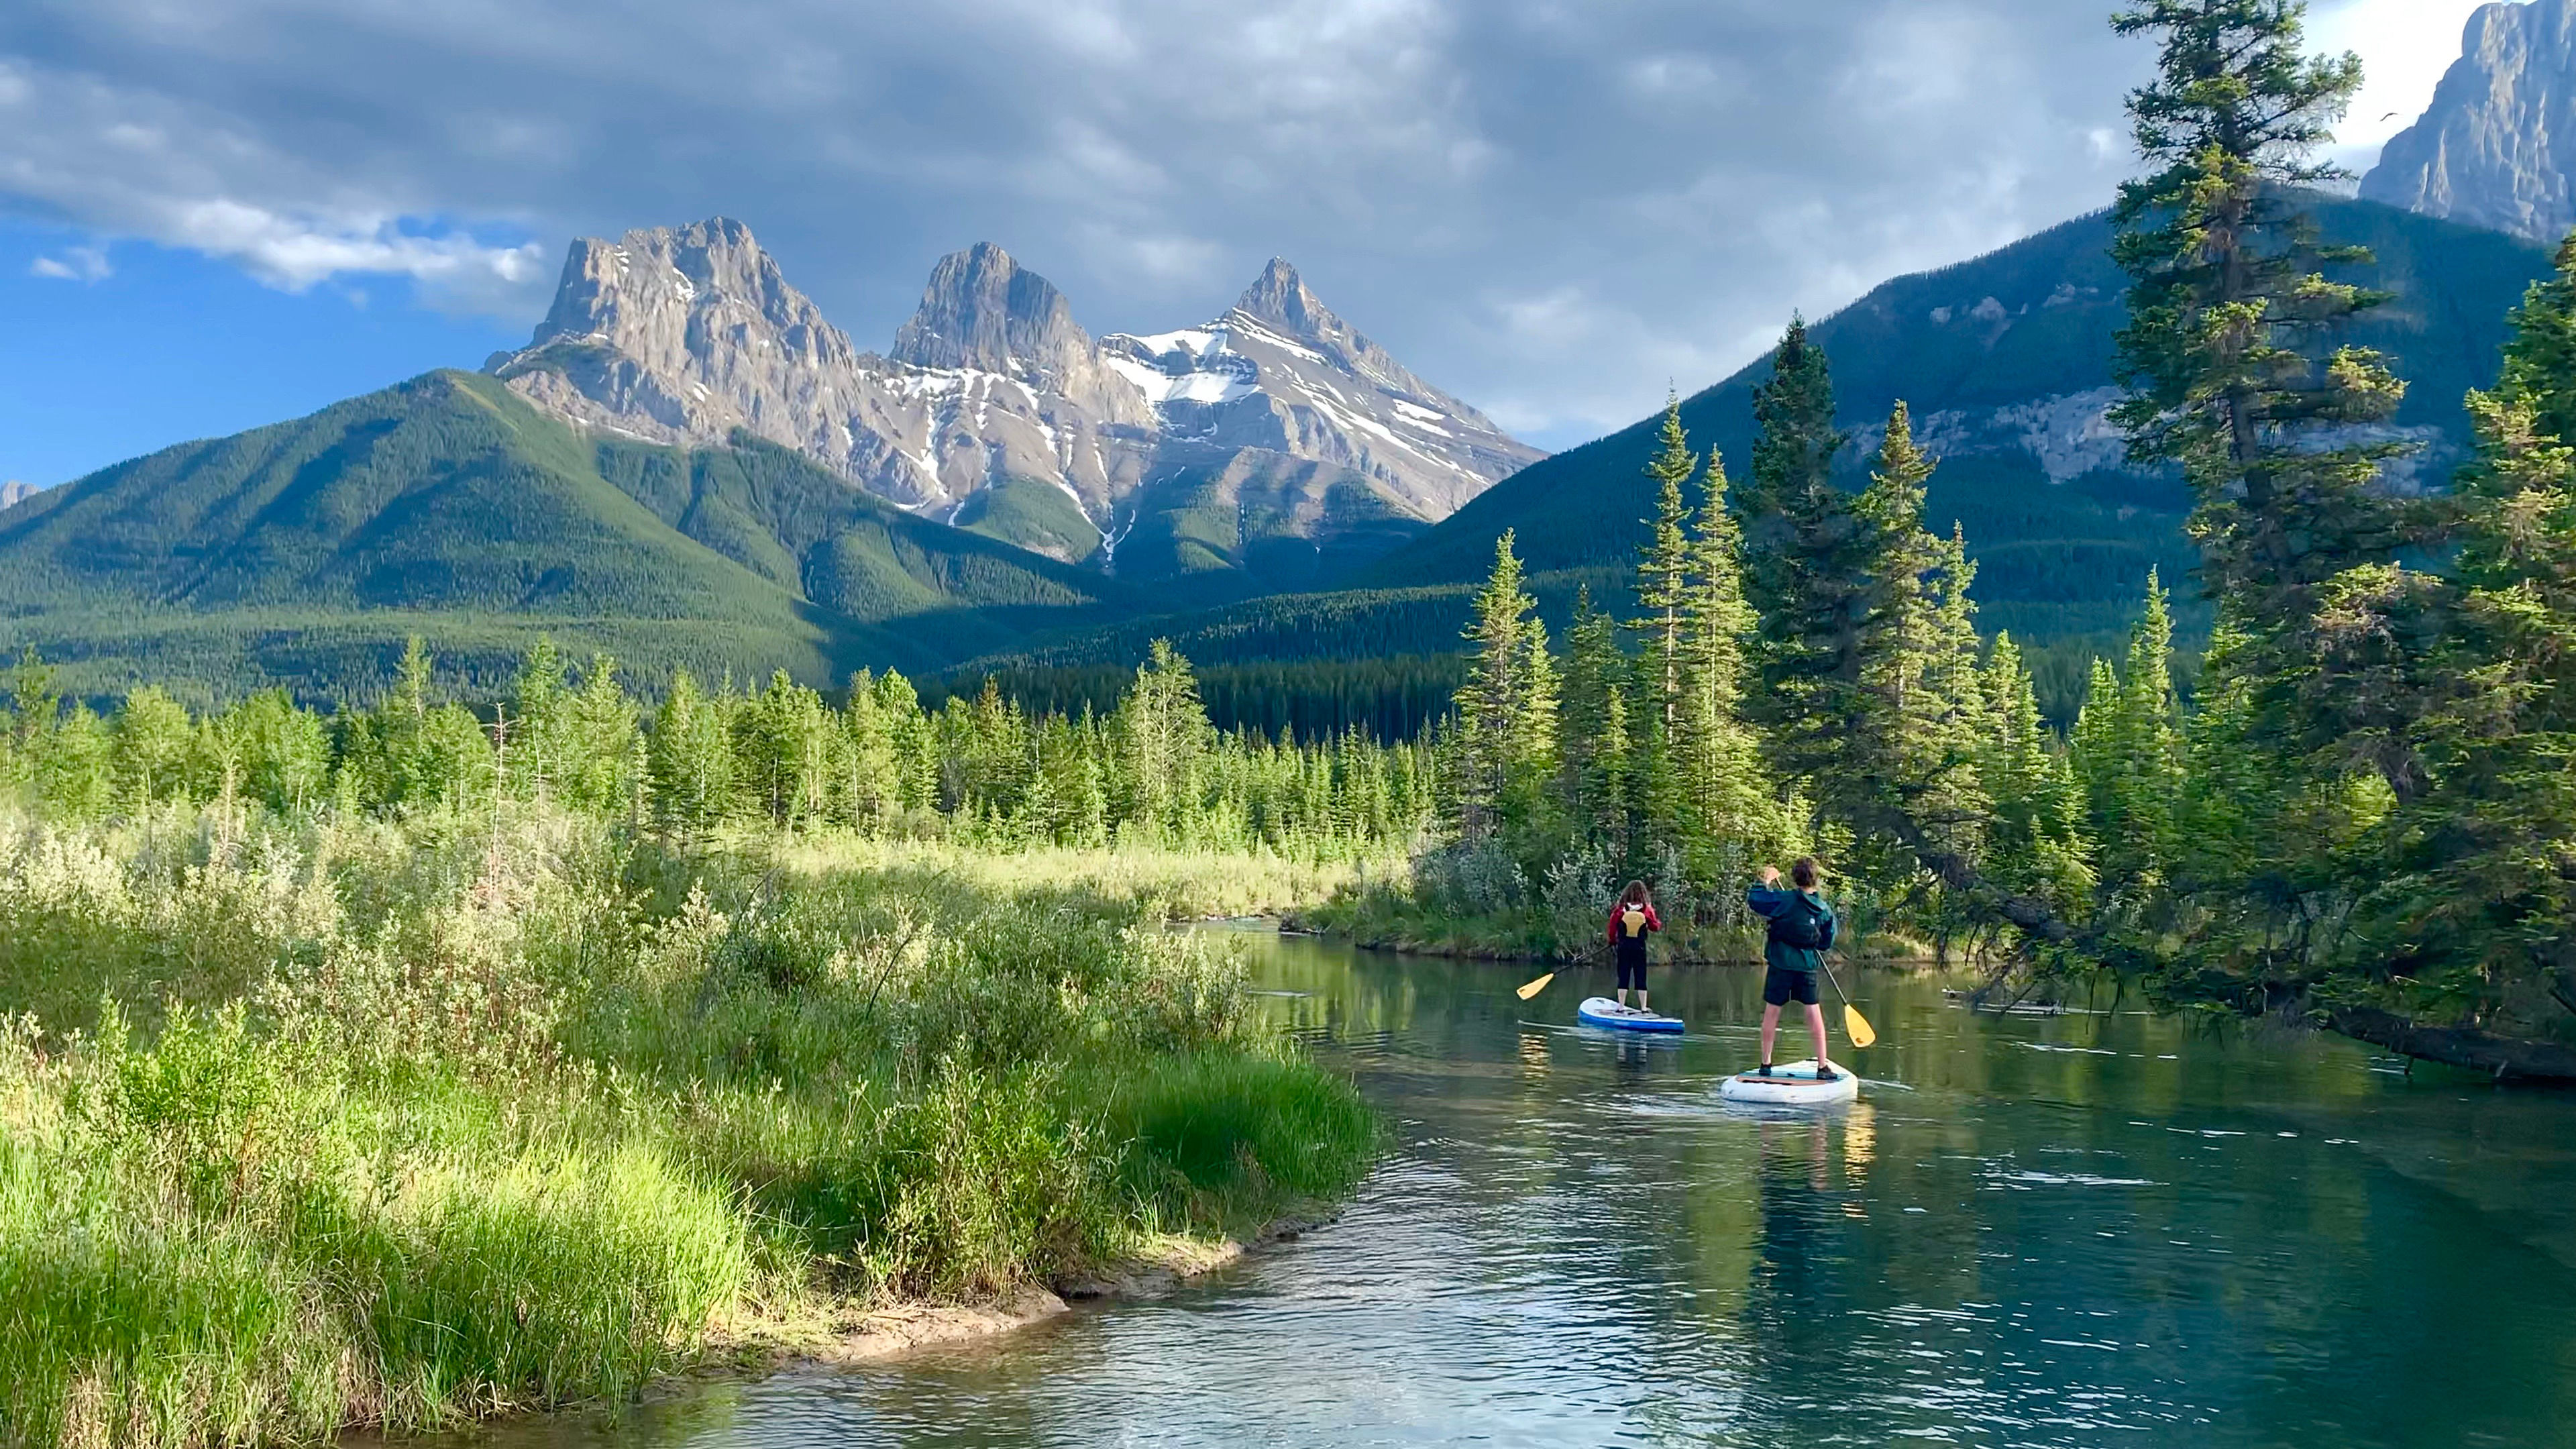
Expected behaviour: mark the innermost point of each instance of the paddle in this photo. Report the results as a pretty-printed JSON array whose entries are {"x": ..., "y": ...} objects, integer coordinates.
[
  {"x": 1855, "y": 1024},
  {"x": 1535, "y": 987}
]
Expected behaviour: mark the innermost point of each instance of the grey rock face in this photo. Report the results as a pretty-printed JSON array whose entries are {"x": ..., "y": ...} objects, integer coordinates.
[
  {"x": 684, "y": 335},
  {"x": 1280, "y": 372},
  {"x": 983, "y": 312},
  {"x": 2498, "y": 145},
  {"x": 14, "y": 492}
]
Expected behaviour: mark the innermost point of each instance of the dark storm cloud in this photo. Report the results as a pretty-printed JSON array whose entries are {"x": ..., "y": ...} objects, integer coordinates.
[{"x": 1550, "y": 208}]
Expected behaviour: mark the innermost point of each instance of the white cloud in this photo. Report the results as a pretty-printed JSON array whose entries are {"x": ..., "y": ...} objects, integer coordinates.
[
  {"x": 295, "y": 252},
  {"x": 77, "y": 264},
  {"x": 132, "y": 163}
]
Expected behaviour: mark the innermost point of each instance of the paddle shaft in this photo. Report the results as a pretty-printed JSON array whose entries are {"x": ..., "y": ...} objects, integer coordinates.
[{"x": 1855, "y": 1025}]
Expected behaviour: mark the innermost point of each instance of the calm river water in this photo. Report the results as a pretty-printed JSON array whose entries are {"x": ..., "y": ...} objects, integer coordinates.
[{"x": 2089, "y": 1229}]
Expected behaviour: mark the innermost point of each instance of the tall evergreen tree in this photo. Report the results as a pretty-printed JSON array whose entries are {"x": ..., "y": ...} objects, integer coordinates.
[
  {"x": 689, "y": 758},
  {"x": 1162, "y": 737},
  {"x": 2229, "y": 355},
  {"x": 1664, "y": 568},
  {"x": 1807, "y": 560},
  {"x": 1492, "y": 701},
  {"x": 2035, "y": 834},
  {"x": 1593, "y": 727},
  {"x": 151, "y": 749},
  {"x": 1721, "y": 754},
  {"x": 2129, "y": 752}
]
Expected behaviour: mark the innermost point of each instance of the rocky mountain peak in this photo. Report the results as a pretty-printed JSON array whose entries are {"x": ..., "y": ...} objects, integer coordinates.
[
  {"x": 1279, "y": 295},
  {"x": 664, "y": 291},
  {"x": 14, "y": 492},
  {"x": 691, "y": 335},
  {"x": 983, "y": 310},
  {"x": 2497, "y": 147}
]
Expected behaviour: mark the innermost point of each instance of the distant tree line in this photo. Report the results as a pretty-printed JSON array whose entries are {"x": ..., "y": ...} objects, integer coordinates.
[{"x": 1151, "y": 768}]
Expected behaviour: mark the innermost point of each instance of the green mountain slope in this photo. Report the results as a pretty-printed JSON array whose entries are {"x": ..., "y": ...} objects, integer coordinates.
[
  {"x": 446, "y": 506},
  {"x": 1255, "y": 522},
  {"x": 2005, "y": 361}
]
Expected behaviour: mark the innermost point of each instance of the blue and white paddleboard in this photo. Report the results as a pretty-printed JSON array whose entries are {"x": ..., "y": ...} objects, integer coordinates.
[
  {"x": 1792, "y": 1084},
  {"x": 1601, "y": 1011}
]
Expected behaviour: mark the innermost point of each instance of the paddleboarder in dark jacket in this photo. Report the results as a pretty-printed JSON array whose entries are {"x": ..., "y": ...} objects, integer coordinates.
[
  {"x": 1800, "y": 929},
  {"x": 1632, "y": 920}
]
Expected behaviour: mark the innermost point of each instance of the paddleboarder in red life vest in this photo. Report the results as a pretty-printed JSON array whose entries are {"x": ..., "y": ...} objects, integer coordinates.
[
  {"x": 1632, "y": 920},
  {"x": 1800, "y": 930}
]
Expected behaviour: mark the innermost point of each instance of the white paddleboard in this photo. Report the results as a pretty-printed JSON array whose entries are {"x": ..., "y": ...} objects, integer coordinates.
[
  {"x": 1791, "y": 1084},
  {"x": 1601, "y": 1011}
]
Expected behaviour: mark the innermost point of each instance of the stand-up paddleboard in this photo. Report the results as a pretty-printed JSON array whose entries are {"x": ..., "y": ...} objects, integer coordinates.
[
  {"x": 1603, "y": 1012},
  {"x": 1791, "y": 1084}
]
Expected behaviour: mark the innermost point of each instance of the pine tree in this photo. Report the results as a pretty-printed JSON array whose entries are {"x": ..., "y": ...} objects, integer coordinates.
[
  {"x": 598, "y": 731},
  {"x": 540, "y": 728},
  {"x": 73, "y": 770},
  {"x": 872, "y": 765},
  {"x": 1897, "y": 735},
  {"x": 2467, "y": 907}
]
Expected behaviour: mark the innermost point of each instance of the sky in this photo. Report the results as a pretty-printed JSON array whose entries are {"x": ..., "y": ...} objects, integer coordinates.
[{"x": 221, "y": 213}]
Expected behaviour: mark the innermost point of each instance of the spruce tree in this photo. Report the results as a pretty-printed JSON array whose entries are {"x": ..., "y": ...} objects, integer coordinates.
[
  {"x": 689, "y": 759},
  {"x": 1593, "y": 728},
  {"x": 1721, "y": 754},
  {"x": 1492, "y": 701},
  {"x": 1807, "y": 562},
  {"x": 2035, "y": 840},
  {"x": 151, "y": 748},
  {"x": 1162, "y": 738},
  {"x": 2129, "y": 752},
  {"x": 2230, "y": 355},
  {"x": 1664, "y": 568}
]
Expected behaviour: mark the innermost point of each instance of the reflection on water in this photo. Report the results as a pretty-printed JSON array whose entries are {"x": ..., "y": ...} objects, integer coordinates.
[{"x": 2088, "y": 1229}]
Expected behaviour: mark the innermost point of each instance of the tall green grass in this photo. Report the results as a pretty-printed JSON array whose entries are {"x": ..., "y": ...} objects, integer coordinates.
[{"x": 315, "y": 1124}]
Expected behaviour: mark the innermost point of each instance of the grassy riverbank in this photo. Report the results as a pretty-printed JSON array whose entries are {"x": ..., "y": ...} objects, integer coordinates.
[{"x": 306, "y": 1125}]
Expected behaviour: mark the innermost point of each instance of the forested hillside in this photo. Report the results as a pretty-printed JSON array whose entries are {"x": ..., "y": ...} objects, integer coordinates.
[
  {"x": 2006, "y": 364},
  {"x": 304, "y": 553}
]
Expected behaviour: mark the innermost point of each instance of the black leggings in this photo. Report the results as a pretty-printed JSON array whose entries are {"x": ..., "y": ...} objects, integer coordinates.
[{"x": 1632, "y": 971}]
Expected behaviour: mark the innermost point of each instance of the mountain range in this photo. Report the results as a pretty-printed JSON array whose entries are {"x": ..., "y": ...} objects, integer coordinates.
[
  {"x": 1270, "y": 447},
  {"x": 689, "y": 465}
]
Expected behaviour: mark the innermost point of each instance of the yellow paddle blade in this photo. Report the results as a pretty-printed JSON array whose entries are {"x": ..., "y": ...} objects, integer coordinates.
[
  {"x": 1857, "y": 1026},
  {"x": 1535, "y": 987}
]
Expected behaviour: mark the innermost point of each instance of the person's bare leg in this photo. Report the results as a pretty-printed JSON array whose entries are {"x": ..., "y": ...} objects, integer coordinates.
[
  {"x": 1641, "y": 1000},
  {"x": 1770, "y": 1029},
  {"x": 1623, "y": 996},
  {"x": 1816, "y": 1029}
]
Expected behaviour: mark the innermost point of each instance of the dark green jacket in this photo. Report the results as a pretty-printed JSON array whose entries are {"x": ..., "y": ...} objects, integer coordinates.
[{"x": 1771, "y": 905}]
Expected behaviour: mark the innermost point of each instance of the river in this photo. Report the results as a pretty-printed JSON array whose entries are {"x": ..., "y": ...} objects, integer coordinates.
[{"x": 2103, "y": 1227}]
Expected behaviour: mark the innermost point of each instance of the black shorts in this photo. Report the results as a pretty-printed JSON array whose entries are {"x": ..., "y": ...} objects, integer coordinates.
[
  {"x": 1632, "y": 974},
  {"x": 1781, "y": 987}
]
